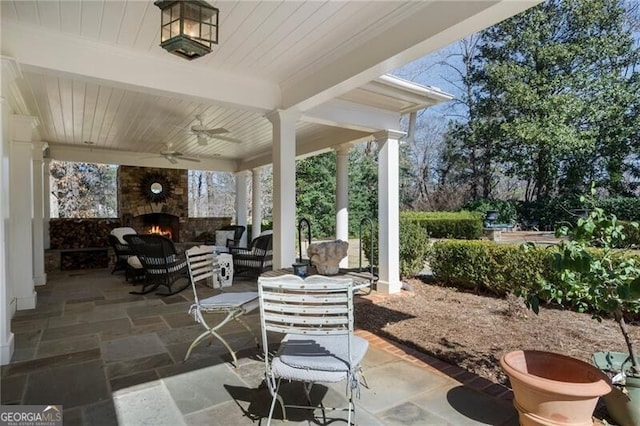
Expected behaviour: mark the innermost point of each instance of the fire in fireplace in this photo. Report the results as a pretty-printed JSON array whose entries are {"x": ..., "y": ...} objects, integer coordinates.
[
  {"x": 164, "y": 224},
  {"x": 160, "y": 230}
]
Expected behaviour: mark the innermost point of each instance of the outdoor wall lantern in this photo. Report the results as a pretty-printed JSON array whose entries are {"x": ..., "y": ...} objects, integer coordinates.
[{"x": 188, "y": 28}]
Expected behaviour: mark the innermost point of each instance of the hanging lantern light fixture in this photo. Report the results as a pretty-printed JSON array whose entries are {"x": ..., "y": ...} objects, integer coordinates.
[{"x": 188, "y": 28}]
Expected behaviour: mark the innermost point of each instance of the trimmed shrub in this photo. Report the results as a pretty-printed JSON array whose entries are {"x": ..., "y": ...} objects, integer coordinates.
[
  {"x": 624, "y": 208},
  {"x": 414, "y": 247},
  {"x": 487, "y": 266},
  {"x": 462, "y": 225},
  {"x": 496, "y": 268},
  {"x": 633, "y": 235}
]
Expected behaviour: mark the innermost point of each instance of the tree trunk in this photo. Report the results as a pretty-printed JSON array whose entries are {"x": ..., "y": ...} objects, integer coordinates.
[{"x": 635, "y": 367}]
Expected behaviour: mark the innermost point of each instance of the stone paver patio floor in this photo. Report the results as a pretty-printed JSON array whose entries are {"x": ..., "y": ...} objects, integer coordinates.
[{"x": 113, "y": 358}]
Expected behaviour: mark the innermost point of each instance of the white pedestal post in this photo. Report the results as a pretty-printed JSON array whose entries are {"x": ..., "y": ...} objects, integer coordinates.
[
  {"x": 46, "y": 200},
  {"x": 39, "y": 193},
  {"x": 342, "y": 198},
  {"x": 21, "y": 211},
  {"x": 241, "y": 203},
  {"x": 256, "y": 203},
  {"x": 284, "y": 187},
  {"x": 389, "y": 212},
  {"x": 10, "y": 71}
]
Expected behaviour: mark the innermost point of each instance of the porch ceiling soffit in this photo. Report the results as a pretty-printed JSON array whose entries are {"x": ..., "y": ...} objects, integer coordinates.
[
  {"x": 128, "y": 158},
  {"x": 63, "y": 55},
  {"x": 436, "y": 25},
  {"x": 329, "y": 140},
  {"x": 350, "y": 115}
]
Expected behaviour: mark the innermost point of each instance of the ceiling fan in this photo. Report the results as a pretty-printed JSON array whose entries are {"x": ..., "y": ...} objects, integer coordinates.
[
  {"x": 204, "y": 134},
  {"x": 173, "y": 156}
]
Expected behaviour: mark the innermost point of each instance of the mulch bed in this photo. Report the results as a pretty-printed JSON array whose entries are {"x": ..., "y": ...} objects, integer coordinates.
[{"x": 473, "y": 331}]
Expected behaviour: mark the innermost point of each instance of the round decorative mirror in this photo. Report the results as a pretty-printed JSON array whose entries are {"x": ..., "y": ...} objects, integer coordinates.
[{"x": 155, "y": 187}]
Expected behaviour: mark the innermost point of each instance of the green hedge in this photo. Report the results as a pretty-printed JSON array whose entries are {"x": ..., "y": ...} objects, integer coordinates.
[
  {"x": 632, "y": 234},
  {"x": 625, "y": 208},
  {"x": 552, "y": 211},
  {"x": 485, "y": 265},
  {"x": 460, "y": 225},
  {"x": 496, "y": 268},
  {"x": 414, "y": 247}
]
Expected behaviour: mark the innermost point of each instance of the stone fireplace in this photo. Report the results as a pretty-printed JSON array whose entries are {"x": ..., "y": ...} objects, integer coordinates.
[
  {"x": 82, "y": 243},
  {"x": 168, "y": 214}
]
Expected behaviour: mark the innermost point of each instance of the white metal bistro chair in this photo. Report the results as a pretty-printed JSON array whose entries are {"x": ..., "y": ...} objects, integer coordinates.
[
  {"x": 204, "y": 269},
  {"x": 316, "y": 317}
]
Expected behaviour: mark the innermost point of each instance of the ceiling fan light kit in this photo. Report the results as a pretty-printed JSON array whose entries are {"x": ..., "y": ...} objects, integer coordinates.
[{"x": 188, "y": 28}]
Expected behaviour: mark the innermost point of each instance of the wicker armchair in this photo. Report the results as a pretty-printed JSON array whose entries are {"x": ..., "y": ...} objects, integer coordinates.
[
  {"x": 122, "y": 253},
  {"x": 256, "y": 258},
  {"x": 161, "y": 263}
]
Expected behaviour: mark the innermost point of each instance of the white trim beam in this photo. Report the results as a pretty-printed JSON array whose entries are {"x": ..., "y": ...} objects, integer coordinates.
[
  {"x": 126, "y": 158},
  {"x": 310, "y": 147},
  {"x": 349, "y": 115}
]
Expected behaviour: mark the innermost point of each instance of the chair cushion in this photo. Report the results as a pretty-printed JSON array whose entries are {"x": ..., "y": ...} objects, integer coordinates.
[
  {"x": 327, "y": 353},
  {"x": 134, "y": 262},
  {"x": 121, "y": 232},
  {"x": 223, "y": 236}
]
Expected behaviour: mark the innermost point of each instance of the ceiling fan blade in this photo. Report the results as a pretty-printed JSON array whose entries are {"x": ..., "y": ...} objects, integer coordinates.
[
  {"x": 216, "y": 131},
  {"x": 194, "y": 160},
  {"x": 227, "y": 139},
  {"x": 171, "y": 159}
]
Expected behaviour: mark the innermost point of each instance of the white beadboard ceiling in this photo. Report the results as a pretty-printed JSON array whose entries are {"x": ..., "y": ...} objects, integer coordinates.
[{"x": 93, "y": 71}]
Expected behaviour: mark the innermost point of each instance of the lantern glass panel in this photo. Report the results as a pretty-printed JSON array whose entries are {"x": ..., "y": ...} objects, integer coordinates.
[
  {"x": 191, "y": 28},
  {"x": 206, "y": 34},
  {"x": 166, "y": 33},
  {"x": 191, "y": 11},
  {"x": 175, "y": 11},
  {"x": 175, "y": 28},
  {"x": 166, "y": 16}
]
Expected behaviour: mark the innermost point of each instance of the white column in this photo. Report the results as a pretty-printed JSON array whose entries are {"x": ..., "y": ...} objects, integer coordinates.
[
  {"x": 39, "y": 193},
  {"x": 46, "y": 201},
  {"x": 10, "y": 71},
  {"x": 21, "y": 211},
  {"x": 342, "y": 198},
  {"x": 284, "y": 187},
  {"x": 389, "y": 212},
  {"x": 256, "y": 203},
  {"x": 241, "y": 203}
]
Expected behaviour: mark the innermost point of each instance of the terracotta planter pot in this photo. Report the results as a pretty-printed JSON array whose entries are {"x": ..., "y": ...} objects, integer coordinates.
[{"x": 553, "y": 389}]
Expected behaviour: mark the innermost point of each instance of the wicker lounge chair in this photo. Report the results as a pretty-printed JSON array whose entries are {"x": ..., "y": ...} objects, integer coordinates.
[
  {"x": 161, "y": 263},
  {"x": 257, "y": 258}
]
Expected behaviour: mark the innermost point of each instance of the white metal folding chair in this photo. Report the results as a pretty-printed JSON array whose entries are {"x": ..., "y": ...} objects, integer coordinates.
[
  {"x": 316, "y": 316},
  {"x": 204, "y": 269}
]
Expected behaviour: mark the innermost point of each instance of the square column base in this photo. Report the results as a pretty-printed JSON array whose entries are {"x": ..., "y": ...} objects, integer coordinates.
[
  {"x": 386, "y": 287},
  {"x": 6, "y": 350},
  {"x": 24, "y": 303},
  {"x": 40, "y": 280}
]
